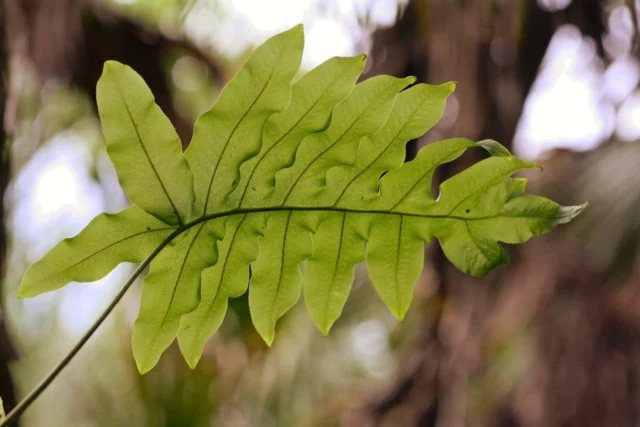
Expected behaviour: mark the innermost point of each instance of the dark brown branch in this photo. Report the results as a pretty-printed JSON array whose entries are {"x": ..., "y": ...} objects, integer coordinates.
[
  {"x": 7, "y": 351},
  {"x": 70, "y": 40}
]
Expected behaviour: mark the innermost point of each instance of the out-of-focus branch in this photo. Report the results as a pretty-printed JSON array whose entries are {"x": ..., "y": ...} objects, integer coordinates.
[
  {"x": 7, "y": 351},
  {"x": 70, "y": 40},
  {"x": 493, "y": 50}
]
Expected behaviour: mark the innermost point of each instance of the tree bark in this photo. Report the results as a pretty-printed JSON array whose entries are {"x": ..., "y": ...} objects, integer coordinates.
[
  {"x": 493, "y": 51},
  {"x": 7, "y": 350},
  {"x": 69, "y": 40}
]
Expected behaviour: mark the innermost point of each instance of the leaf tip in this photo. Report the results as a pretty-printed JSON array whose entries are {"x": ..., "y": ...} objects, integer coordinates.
[
  {"x": 359, "y": 61},
  {"x": 567, "y": 213},
  {"x": 297, "y": 31},
  {"x": 143, "y": 368},
  {"x": 192, "y": 362},
  {"x": 191, "y": 356},
  {"x": 532, "y": 165},
  {"x": 23, "y": 292},
  {"x": 410, "y": 80},
  {"x": 267, "y": 337},
  {"x": 145, "y": 360},
  {"x": 399, "y": 313},
  {"x": 449, "y": 87},
  {"x": 26, "y": 287},
  {"x": 325, "y": 328},
  {"x": 111, "y": 66},
  {"x": 494, "y": 148}
]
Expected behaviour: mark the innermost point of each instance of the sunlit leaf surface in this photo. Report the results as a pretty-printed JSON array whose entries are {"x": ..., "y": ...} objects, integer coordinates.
[{"x": 279, "y": 176}]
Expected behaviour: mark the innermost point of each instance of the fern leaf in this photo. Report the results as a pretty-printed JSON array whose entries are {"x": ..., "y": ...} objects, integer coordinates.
[
  {"x": 144, "y": 146},
  {"x": 338, "y": 245},
  {"x": 228, "y": 278},
  {"x": 362, "y": 113},
  {"x": 276, "y": 278},
  {"x": 231, "y": 132},
  {"x": 281, "y": 176},
  {"x": 327, "y": 282},
  {"x": 108, "y": 240},
  {"x": 171, "y": 290},
  {"x": 313, "y": 98},
  {"x": 416, "y": 110}
]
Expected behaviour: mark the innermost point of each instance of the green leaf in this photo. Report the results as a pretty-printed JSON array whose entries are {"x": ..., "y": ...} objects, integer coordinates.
[
  {"x": 231, "y": 132},
  {"x": 395, "y": 255},
  {"x": 362, "y": 113},
  {"x": 228, "y": 278},
  {"x": 338, "y": 245},
  {"x": 313, "y": 98},
  {"x": 276, "y": 282},
  {"x": 416, "y": 110},
  {"x": 327, "y": 281},
  {"x": 296, "y": 184},
  {"x": 502, "y": 213},
  {"x": 171, "y": 290},
  {"x": 144, "y": 146},
  {"x": 128, "y": 236}
]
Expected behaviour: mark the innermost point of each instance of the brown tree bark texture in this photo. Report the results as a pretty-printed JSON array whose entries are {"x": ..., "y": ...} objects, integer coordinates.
[{"x": 585, "y": 361}]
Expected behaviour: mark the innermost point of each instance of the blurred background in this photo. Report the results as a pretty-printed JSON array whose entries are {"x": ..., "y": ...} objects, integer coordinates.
[{"x": 550, "y": 340}]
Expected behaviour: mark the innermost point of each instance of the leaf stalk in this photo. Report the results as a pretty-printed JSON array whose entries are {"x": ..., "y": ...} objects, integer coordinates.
[{"x": 42, "y": 386}]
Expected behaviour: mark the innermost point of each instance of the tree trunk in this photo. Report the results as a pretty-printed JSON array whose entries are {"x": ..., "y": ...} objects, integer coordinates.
[
  {"x": 493, "y": 50},
  {"x": 7, "y": 351}
]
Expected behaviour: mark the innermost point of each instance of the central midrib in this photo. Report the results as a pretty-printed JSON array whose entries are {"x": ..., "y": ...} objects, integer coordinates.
[{"x": 242, "y": 211}]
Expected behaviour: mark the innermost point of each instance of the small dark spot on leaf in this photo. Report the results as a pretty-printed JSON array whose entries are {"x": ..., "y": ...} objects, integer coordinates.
[
  {"x": 468, "y": 210},
  {"x": 148, "y": 228}
]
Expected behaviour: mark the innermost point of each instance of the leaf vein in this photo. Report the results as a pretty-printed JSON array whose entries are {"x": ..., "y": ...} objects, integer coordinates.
[
  {"x": 255, "y": 168},
  {"x": 146, "y": 153},
  {"x": 224, "y": 267},
  {"x": 396, "y": 265},
  {"x": 233, "y": 131},
  {"x": 333, "y": 144},
  {"x": 154, "y": 343},
  {"x": 335, "y": 267},
  {"x": 344, "y": 190},
  {"x": 115, "y": 243},
  {"x": 283, "y": 253},
  {"x": 431, "y": 169}
]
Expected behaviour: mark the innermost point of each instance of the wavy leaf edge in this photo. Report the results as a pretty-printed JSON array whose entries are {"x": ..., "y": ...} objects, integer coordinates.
[{"x": 318, "y": 178}]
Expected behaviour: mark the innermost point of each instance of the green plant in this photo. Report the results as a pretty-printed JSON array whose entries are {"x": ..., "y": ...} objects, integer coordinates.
[{"x": 277, "y": 175}]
